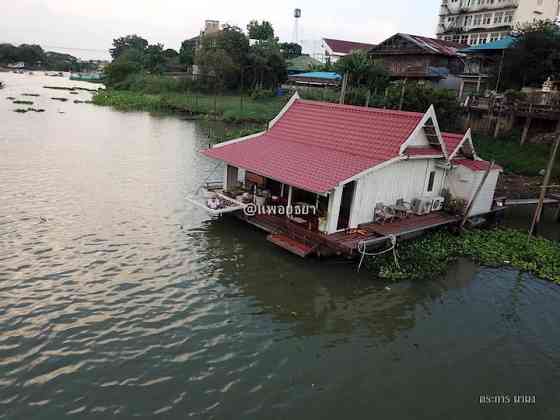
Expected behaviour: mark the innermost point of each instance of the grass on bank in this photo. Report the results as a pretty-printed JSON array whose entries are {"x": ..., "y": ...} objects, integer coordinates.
[
  {"x": 431, "y": 255},
  {"x": 528, "y": 159},
  {"x": 232, "y": 108}
]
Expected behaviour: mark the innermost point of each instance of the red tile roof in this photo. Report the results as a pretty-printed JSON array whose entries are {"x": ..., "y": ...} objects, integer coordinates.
[
  {"x": 346, "y": 47},
  {"x": 475, "y": 165},
  {"x": 452, "y": 141},
  {"x": 317, "y": 145}
]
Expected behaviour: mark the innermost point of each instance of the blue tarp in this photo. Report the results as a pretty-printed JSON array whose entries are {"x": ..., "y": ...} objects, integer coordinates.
[
  {"x": 501, "y": 44},
  {"x": 438, "y": 72},
  {"x": 329, "y": 75}
]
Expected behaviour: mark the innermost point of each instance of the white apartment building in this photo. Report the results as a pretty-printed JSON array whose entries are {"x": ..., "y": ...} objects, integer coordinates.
[{"x": 475, "y": 22}]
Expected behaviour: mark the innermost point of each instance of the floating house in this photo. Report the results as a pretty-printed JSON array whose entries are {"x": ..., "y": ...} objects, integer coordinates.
[{"x": 368, "y": 174}]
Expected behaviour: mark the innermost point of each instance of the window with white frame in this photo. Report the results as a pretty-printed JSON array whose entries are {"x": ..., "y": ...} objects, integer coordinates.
[
  {"x": 508, "y": 18},
  {"x": 487, "y": 20},
  {"x": 498, "y": 18},
  {"x": 477, "y": 20}
]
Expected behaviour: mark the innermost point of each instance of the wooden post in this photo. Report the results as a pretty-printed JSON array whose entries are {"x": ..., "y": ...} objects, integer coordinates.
[
  {"x": 500, "y": 70},
  {"x": 368, "y": 97},
  {"x": 538, "y": 211},
  {"x": 557, "y": 214},
  {"x": 526, "y": 128},
  {"x": 477, "y": 192},
  {"x": 497, "y": 128},
  {"x": 403, "y": 90},
  {"x": 461, "y": 90},
  {"x": 343, "y": 90},
  {"x": 289, "y": 196}
]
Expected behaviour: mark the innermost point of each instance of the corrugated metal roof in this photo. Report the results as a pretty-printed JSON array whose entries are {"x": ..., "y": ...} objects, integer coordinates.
[
  {"x": 346, "y": 47},
  {"x": 330, "y": 75},
  {"x": 317, "y": 145},
  {"x": 436, "y": 46},
  {"x": 501, "y": 44}
]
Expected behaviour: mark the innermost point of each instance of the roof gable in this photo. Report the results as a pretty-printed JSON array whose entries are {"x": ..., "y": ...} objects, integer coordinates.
[{"x": 457, "y": 143}]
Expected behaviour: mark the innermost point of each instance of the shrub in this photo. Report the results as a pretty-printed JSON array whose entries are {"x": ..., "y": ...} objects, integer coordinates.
[{"x": 258, "y": 94}]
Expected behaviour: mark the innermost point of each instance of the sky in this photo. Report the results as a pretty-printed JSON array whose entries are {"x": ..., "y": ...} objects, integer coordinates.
[{"x": 89, "y": 26}]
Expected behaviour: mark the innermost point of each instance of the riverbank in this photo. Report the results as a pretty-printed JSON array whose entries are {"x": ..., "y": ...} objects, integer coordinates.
[
  {"x": 231, "y": 108},
  {"x": 432, "y": 255}
]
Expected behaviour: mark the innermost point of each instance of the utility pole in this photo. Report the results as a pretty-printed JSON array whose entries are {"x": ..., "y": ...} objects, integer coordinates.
[
  {"x": 403, "y": 90},
  {"x": 539, "y": 210},
  {"x": 343, "y": 90}
]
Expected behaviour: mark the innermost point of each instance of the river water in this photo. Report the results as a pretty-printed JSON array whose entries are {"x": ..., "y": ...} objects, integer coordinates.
[{"x": 119, "y": 300}]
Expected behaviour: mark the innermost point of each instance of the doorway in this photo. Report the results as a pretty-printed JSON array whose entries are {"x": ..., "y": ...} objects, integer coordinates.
[{"x": 346, "y": 205}]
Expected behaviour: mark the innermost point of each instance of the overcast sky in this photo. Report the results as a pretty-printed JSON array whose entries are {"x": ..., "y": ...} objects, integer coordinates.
[{"x": 90, "y": 25}]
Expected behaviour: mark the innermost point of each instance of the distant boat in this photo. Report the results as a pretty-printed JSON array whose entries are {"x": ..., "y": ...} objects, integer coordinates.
[
  {"x": 1, "y": 85},
  {"x": 87, "y": 77}
]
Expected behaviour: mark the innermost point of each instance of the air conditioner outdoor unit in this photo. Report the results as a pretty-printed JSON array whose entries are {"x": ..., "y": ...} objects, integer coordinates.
[
  {"x": 421, "y": 206},
  {"x": 437, "y": 203}
]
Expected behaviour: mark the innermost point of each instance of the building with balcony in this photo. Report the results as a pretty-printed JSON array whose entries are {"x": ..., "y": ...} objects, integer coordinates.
[{"x": 476, "y": 22}]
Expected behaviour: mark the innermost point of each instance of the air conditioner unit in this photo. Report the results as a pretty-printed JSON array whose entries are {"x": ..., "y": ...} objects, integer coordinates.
[
  {"x": 421, "y": 206},
  {"x": 437, "y": 203}
]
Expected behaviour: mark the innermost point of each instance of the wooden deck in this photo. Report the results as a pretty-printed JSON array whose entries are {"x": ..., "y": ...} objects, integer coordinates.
[
  {"x": 414, "y": 224},
  {"x": 301, "y": 241}
]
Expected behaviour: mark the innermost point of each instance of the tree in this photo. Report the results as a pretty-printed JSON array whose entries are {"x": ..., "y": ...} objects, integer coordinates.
[
  {"x": 30, "y": 54},
  {"x": 533, "y": 58},
  {"x": 153, "y": 58},
  {"x": 186, "y": 53},
  {"x": 119, "y": 70},
  {"x": 120, "y": 45},
  {"x": 419, "y": 97},
  {"x": 230, "y": 42},
  {"x": 260, "y": 31},
  {"x": 8, "y": 53},
  {"x": 290, "y": 49},
  {"x": 217, "y": 66},
  {"x": 170, "y": 53},
  {"x": 357, "y": 65},
  {"x": 268, "y": 65}
]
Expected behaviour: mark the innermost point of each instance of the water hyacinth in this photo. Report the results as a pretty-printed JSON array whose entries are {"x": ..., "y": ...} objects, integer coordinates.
[{"x": 431, "y": 255}]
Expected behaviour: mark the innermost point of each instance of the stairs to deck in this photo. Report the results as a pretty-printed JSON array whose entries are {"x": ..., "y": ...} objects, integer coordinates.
[{"x": 295, "y": 247}]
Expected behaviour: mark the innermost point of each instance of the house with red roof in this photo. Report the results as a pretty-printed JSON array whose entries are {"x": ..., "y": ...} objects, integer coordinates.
[
  {"x": 334, "y": 49},
  {"x": 347, "y": 160}
]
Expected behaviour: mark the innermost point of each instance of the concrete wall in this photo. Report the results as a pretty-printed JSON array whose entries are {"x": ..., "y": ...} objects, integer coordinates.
[
  {"x": 536, "y": 9},
  {"x": 462, "y": 183}
]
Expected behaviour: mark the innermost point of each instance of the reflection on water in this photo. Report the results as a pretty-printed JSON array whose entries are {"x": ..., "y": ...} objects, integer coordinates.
[{"x": 119, "y": 300}]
